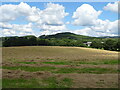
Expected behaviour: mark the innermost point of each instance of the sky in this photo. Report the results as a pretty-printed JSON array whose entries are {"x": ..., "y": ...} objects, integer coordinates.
[{"x": 46, "y": 18}]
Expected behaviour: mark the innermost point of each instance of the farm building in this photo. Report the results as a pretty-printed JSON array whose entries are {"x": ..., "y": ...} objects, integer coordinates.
[{"x": 88, "y": 43}]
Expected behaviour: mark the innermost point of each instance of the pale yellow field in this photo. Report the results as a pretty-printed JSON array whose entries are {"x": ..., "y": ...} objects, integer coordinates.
[
  {"x": 56, "y": 67},
  {"x": 56, "y": 52}
]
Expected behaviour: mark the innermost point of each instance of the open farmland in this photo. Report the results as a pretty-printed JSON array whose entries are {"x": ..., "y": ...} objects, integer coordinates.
[{"x": 59, "y": 67}]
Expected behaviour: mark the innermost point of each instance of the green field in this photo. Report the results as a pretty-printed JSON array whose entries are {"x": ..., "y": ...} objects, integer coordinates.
[{"x": 59, "y": 67}]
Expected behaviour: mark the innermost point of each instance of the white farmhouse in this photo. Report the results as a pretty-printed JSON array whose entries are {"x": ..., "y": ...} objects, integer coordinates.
[{"x": 88, "y": 43}]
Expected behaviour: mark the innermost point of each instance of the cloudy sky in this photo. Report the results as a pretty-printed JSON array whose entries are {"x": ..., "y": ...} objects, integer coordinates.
[{"x": 39, "y": 18}]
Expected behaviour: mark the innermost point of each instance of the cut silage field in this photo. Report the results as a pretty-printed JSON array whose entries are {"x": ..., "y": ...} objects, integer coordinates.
[{"x": 59, "y": 67}]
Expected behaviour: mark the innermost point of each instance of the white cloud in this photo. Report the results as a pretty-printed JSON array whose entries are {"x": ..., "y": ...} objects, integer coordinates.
[
  {"x": 112, "y": 7},
  {"x": 51, "y": 18},
  {"x": 25, "y": 33},
  {"x": 85, "y": 15},
  {"x": 16, "y": 29},
  {"x": 47, "y": 32},
  {"x": 15, "y": 11},
  {"x": 25, "y": 28},
  {"x": 5, "y": 25},
  {"x": 53, "y": 14},
  {"x": 67, "y": 22},
  {"x": 10, "y": 12},
  {"x": 105, "y": 28},
  {"x": 53, "y": 28},
  {"x": 8, "y": 32},
  {"x": 90, "y": 32},
  {"x": 48, "y": 29}
]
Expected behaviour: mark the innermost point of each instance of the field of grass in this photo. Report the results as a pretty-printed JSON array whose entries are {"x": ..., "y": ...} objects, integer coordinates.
[{"x": 59, "y": 67}]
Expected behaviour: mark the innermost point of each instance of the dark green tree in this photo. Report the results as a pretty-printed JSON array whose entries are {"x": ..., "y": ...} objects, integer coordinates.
[
  {"x": 97, "y": 44},
  {"x": 109, "y": 44}
]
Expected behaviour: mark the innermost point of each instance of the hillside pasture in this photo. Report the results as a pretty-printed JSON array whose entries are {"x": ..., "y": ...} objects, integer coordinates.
[{"x": 59, "y": 67}]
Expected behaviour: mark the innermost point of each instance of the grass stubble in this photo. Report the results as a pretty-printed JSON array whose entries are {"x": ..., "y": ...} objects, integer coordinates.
[{"x": 59, "y": 67}]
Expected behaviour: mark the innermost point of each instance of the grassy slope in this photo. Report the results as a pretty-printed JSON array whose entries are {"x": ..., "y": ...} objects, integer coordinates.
[
  {"x": 67, "y": 35},
  {"x": 56, "y": 67}
]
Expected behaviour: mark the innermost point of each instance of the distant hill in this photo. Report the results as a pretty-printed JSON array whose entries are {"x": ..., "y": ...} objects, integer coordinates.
[
  {"x": 70, "y": 35},
  {"x": 62, "y": 39},
  {"x": 67, "y": 35}
]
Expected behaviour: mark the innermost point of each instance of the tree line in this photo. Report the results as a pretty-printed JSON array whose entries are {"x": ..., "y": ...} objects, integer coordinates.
[{"x": 107, "y": 44}]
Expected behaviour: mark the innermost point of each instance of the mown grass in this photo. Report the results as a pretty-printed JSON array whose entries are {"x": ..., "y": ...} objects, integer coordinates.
[
  {"x": 77, "y": 63},
  {"x": 20, "y": 83},
  {"x": 50, "y": 82},
  {"x": 85, "y": 70},
  {"x": 56, "y": 56},
  {"x": 54, "y": 83},
  {"x": 100, "y": 62},
  {"x": 30, "y": 69},
  {"x": 54, "y": 52},
  {"x": 58, "y": 63},
  {"x": 97, "y": 62},
  {"x": 63, "y": 70},
  {"x": 28, "y": 62}
]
